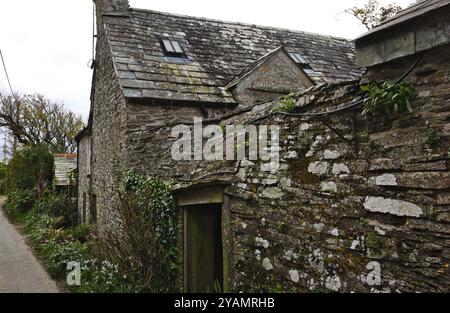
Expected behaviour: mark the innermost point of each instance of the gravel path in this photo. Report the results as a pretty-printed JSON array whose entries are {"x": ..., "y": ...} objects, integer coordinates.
[{"x": 20, "y": 271}]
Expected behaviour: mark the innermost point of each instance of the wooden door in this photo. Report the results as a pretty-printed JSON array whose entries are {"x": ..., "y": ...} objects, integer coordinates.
[{"x": 203, "y": 253}]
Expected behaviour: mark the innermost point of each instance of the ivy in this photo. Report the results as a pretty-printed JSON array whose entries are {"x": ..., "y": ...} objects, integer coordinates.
[
  {"x": 162, "y": 202},
  {"x": 389, "y": 97},
  {"x": 158, "y": 197}
]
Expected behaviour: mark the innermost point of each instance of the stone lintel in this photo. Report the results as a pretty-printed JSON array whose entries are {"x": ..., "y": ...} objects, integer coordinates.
[{"x": 206, "y": 195}]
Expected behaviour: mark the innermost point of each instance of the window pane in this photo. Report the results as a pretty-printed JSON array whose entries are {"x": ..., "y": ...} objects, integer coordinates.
[
  {"x": 177, "y": 47},
  {"x": 300, "y": 58},
  {"x": 294, "y": 57},
  {"x": 168, "y": 45}
]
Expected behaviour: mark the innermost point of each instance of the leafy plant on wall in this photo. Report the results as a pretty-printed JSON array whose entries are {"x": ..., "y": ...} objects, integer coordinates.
[
  {"x": 143, "y": 242},
  {"x": 287, "y": 104},
  {"x": 388, "y": 97}
]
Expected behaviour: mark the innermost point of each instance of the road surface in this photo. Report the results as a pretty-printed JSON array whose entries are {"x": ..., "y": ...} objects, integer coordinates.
[{"x": 20, "y": 271}]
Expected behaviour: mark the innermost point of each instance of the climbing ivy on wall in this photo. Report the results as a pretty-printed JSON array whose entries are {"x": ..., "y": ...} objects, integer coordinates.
[
  {"x": 142, "y": 237},
  {"x": 159, "y": 198}
]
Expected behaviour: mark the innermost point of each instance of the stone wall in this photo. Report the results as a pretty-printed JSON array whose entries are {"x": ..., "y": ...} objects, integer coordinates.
[
  {"x": 373, "y": 197},
  {"x": 108, "y": 131},
  {"x": 124, "y": 134},
  {"x": 148, "y": 148},
  {"x": 275, "y": 77},
  {"x": 84, "y": 171},
  {"x": 340, "y": 211},
  {"x": 148, "y": 144},
  {"x": 417, "y": 34},
  {"x": 113, "y": 6}
]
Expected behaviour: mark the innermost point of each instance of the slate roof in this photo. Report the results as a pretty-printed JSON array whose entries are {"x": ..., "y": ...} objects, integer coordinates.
[
  {"x": 64, "y": 165},
  {"x": 414, "y": 11},
  {"x": 217, "y": 53}
]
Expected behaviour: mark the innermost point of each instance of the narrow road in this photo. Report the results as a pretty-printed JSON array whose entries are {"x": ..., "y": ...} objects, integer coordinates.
[{"x": 20, "y": 271}]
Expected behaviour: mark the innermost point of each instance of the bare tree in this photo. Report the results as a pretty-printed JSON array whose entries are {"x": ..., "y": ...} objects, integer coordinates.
[
  {"x": 33, "y": 120},
  {"x": 372, "y": 13}
]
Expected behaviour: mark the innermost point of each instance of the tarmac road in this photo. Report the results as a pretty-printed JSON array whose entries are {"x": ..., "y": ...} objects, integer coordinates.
[{"x": 20, "y": 271}]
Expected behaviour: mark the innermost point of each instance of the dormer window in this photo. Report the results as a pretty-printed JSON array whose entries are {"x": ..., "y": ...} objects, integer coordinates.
[
  {"x": 301, "y": 61},
  {"x": 172, "y": 48}
]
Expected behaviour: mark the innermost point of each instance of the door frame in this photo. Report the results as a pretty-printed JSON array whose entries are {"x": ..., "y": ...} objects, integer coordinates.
[{"x": 211, "y": 194}]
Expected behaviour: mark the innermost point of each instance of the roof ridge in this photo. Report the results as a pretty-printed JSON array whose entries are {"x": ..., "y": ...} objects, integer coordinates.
[
  {"x": 239, "y": 23},
  {"x": 412, "y": 12},
  {"x": 410, "y": 9}
]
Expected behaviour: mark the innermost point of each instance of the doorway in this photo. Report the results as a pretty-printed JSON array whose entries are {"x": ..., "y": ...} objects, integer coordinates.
[{"x": 203, "y": 251}]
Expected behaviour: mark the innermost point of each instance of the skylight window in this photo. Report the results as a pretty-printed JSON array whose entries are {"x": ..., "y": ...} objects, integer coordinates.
[
  {"x": 301, "y": 61},
  {"x": 172, "y": 48}
]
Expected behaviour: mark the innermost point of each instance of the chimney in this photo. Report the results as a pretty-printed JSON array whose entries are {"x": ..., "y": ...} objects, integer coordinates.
[{"x": 113, "y": 7}]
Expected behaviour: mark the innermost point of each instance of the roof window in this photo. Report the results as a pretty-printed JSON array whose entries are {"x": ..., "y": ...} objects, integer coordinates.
[
  {"x": 301, "y": 61},
  {"x": 172, "y": 48}
]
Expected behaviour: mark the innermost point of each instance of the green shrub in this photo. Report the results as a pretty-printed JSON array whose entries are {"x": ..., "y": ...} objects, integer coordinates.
[
  {"x": 144, "y": 241},
  {"x": 104, "y": 277},
  {"x": 388, "y": 97},
  {"x": 58, "y": 254},
  {"x": 19, "y": 202},
  {"x": 3, "y": 168},
  {"x": 30, "y": 169},
  {"x": 74, "y": 244},
  {"x": 57, "y": 205},
  {"x": 58, "y": 245},
  {"x": 287, "y": 104},
  {"x": 39, "y": 227},
  {"x": 81, "y": 233}
]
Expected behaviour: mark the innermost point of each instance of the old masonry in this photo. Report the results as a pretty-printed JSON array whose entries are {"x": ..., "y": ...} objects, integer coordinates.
[{"x": 359, "y": 204}]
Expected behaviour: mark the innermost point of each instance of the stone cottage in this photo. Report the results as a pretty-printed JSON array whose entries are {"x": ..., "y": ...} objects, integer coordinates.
[{"x": 357, "y": 204}]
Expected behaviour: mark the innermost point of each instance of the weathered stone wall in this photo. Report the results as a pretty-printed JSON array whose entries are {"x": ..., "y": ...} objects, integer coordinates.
[
  {"x": 124, "y": 134},
  {"x": 148, "y": 148},
  {"x": 273, "y": 78},
  {"x": 386, "y": 201},
  {"x": 113, "y": 6},
  {"x": 108, "y": 131},
  {"x": 339, "y": 211},
  {"x": 84, "y": 170},
  {"x": 406, "y": 39}
]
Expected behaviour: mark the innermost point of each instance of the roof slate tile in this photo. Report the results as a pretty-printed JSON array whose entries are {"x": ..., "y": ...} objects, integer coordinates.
[{"x": 217, "y": 52}]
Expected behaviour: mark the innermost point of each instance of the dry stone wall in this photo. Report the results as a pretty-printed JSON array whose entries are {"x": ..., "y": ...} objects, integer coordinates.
[{"x": 364, "y": 207}]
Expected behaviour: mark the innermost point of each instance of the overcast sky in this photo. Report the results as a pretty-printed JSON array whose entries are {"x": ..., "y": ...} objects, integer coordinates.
[{"x": 47, "y": 43}]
